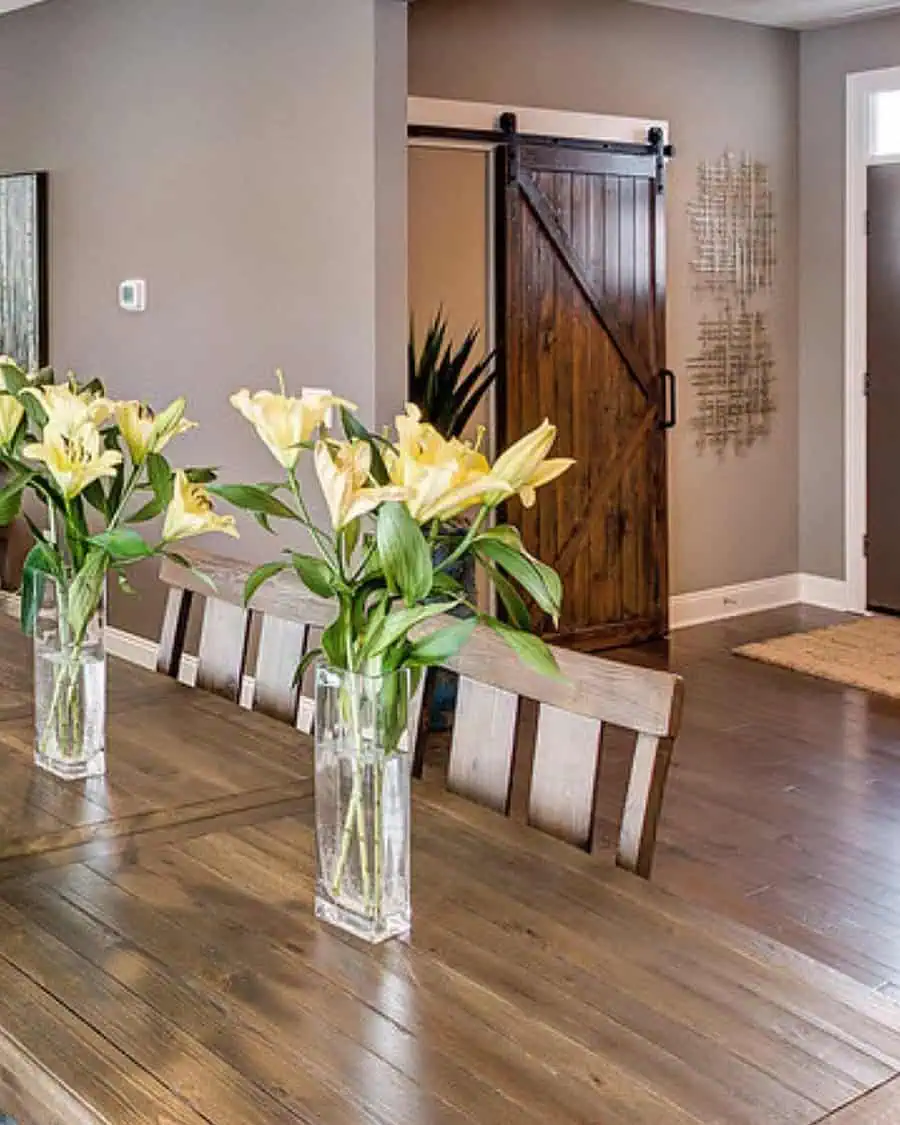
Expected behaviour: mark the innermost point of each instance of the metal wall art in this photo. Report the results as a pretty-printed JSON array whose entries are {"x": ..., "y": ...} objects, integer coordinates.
[{"x": 733, "y": 224}]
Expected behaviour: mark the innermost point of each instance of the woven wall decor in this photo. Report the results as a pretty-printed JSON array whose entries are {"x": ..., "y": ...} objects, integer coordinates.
[
  {"x": 732, "y": 221},
  {"x": 732, "y": 378}
]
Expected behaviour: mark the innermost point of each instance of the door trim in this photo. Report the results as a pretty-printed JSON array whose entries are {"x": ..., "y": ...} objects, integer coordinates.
[{"x": 860, "y": 88}]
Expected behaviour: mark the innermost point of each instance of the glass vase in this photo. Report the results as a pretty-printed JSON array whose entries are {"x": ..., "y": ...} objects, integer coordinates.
[
  {"x": 69, "y": 689},
  {"x": 362, "y": 779}
]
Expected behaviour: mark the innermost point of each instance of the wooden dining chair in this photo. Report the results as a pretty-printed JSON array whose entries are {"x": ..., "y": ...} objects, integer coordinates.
[
  {"x": 291, "y": 619},
  {"x": 572, "y": 712}
]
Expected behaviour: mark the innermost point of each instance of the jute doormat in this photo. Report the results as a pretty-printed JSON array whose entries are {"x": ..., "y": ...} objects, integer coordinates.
[{"x": 863, "y": 654}]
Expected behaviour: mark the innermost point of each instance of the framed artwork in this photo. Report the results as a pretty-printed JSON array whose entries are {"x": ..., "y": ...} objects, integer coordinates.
[{"x": 23, "y": 269}]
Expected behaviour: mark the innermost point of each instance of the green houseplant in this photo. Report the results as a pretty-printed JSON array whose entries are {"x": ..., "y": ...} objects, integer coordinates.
[{"x": 444, "y": 382}]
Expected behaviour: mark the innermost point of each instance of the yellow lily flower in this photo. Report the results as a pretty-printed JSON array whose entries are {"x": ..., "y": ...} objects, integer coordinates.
[
  {"x": 190, "y": 512},
  {"x": 145, "y": 432},
  {"x": 443, "y": 478},
  {"x": 343, "y": 469},
  {"x": 68, "y": 410},
  {"x": 75, "y": 458},
  {"x": 524, "y": 466},
  {"x": 284, "y": 422}
]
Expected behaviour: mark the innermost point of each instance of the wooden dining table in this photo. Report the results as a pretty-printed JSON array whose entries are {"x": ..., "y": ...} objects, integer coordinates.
[{"x": 160, "y": 962}]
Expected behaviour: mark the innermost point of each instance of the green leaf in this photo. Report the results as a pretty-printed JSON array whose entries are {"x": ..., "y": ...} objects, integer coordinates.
[
  {"x": 149, "y": 511},
  {"x": 351, "y": 535},
  {"x": 405, "y": 556},
  {"x": 521, "y": 567},
  {"x": 85, "y": 592},
  {"x": 509, "y": 596},
  {"x": 502, "y": 533},
  {"x": 334, "y": 640},
  {"x": 353, "y": 428},
  {"x": 397, "y": 624},
  {"x": 259, "y": 576},
  {"x": 43, "y": 561},
  {"x": 530, "y": 649},
  {"x": 441, "y": 645},
  {"x": 122, "y": 544},
  {"x": 300, "y": 672},
  {"x": 10, "y": 506},
  {"x": 11, "y": 497},
  {"x": 446, "y": 584},
  {"x": 188, "y": 565},
  {"x": 315, "y": 574},
  {"x": 159, "y": 473},
  {"x": 511, "y": 537},
  {"x": 253, "y": 498},
  {"x": 96, "y": 497}
]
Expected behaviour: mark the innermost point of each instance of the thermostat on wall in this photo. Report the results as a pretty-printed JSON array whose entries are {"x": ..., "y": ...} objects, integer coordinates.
[{"x": 133, "y": 296}]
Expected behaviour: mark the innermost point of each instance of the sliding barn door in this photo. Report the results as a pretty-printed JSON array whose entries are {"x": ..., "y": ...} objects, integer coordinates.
[{"x": 584, "y": 346}]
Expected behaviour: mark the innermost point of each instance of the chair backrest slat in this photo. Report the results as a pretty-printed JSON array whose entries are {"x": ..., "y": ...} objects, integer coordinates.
[
  {"x": 643, "y": 803},
  {"x": 174, "y": 632},
  {"x": 292, "y": 620},
  {"x": 281, "y": 647},
  {"x": 223, "y": 648},
  {"x": 564, "y": 775},
  {"x": 484, "y": 733}
]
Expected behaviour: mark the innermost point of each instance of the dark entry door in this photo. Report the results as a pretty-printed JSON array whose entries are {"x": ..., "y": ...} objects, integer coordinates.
[
  {"x": 884, "y": 388},
  {"x": 584, "y": 345}
]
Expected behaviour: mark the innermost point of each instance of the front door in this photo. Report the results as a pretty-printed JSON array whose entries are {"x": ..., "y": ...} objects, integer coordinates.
[
  {"x": 584, "y": 346},
  {"x": 884, "y": 388}
]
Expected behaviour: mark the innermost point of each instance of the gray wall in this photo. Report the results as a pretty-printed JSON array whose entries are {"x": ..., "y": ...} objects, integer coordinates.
[
  {"x": 721, "y": 85},
  {"x": 243, "y": 158},
  {"x": 826, "y": 58}
]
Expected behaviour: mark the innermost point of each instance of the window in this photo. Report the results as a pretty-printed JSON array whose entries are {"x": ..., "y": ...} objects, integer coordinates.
[{"x": 885, "y": 135}]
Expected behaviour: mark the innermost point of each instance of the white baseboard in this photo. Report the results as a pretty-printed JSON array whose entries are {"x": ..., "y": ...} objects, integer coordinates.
[
  {"x": 753, "y": 597},
  {"x": 141, "y": 651},
  {"x": 732, "y": 601},
  {"x": 829, "y": 593}
]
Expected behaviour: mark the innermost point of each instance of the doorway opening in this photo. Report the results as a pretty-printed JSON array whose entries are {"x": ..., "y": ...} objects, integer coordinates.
[
  {"x": 872, "y": 387},
  {"x": 552, "y": 226}
]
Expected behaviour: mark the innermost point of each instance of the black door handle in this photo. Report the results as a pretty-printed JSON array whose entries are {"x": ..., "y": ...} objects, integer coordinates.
[{"x": 669, "y": 399}]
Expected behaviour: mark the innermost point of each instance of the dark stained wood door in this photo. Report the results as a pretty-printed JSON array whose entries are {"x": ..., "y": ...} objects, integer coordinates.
[
  {"x": 883, "y": 423},
  {"x": 584, "y": 345}
]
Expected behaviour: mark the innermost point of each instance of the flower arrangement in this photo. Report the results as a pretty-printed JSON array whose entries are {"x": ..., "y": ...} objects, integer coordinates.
[
  {"x": 97, "y": 467},
  {"x": 390, "y": 499},
  {"x": 388, "y": 560}
]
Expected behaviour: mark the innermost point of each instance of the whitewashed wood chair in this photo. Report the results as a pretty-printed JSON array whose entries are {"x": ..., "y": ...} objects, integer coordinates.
[
  {"x": 291, "y": 623},
  {"x": 571, "y": 715}
]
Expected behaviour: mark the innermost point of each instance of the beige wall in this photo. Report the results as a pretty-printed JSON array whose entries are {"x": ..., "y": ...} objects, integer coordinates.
[
  {"x": 448, "y": 243},
  {"x": 826, "y": 58},
  {"x": 224, "y": 150},
  {"x": 721, "y": 85}
]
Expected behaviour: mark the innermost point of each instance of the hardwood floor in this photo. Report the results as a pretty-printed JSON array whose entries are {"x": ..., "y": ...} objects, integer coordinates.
[{"x": 783, "y": 807}]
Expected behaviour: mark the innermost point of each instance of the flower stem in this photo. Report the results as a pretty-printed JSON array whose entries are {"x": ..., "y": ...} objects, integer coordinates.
[
  {"x": 327, "y": 552},
  {"x": 467, "y": 541}
]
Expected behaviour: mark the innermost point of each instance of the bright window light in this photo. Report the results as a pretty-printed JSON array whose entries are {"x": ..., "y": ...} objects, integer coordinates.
[{"x": 886, "y": 123}]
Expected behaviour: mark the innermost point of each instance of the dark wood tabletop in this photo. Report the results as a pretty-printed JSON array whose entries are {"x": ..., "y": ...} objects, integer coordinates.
[{"x": 160, "y": 963}]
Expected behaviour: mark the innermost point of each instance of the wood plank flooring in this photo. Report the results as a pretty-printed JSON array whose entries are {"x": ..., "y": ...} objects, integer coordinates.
[{"x": 783, "y": 807}]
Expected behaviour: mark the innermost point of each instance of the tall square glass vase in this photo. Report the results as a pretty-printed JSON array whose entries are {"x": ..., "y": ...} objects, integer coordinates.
[
  {"x": 69, "y": 689},
  {"x": 362, "y": 780}
]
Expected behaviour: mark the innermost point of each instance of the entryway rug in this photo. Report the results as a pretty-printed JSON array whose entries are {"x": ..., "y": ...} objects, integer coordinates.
[{"x": 863, "y": 654}]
